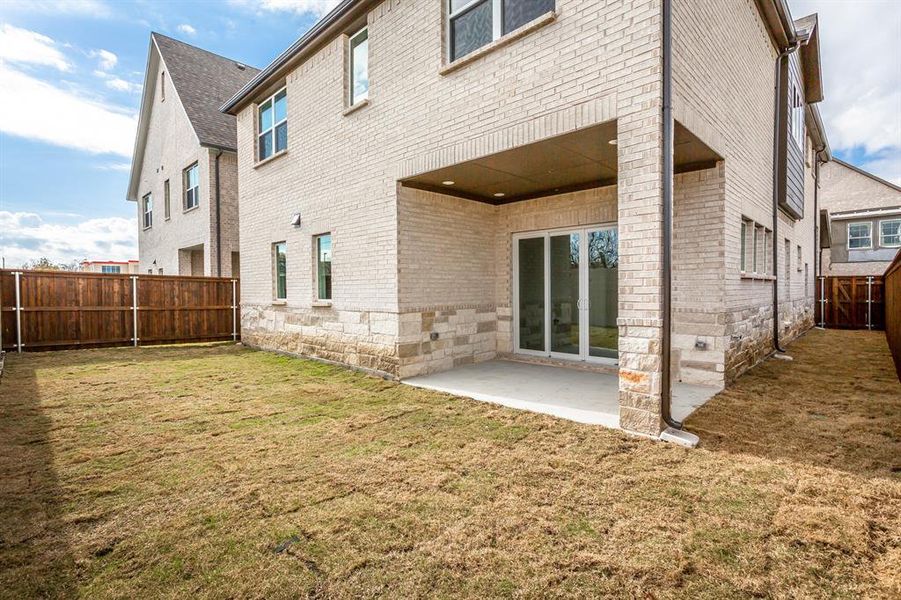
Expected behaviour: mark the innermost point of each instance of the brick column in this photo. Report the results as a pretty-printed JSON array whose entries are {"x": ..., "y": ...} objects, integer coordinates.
[{"x": 640, "y": 213}]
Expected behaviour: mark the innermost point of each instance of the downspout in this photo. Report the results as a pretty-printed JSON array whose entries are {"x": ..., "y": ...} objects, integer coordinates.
[
  {"x": 672, "y": 433},
  {"x": 218, "y": 220},
  {"x": 777, "y": 130}
]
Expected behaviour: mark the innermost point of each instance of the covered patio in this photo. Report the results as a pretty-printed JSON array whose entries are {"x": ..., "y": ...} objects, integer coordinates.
[
  {"x": 584, "y": 396},
  {"x": 514, "y": 256}
]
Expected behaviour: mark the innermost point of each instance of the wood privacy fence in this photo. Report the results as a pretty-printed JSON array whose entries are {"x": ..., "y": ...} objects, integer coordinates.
[
  {"x": 55, "y": 310},
  {"x": 893, "y": 310},
  {"x": 851, "y": 302}
]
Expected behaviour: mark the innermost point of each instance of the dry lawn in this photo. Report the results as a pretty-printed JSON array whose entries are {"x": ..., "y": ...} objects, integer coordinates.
[{"x": 215, "y": 471}]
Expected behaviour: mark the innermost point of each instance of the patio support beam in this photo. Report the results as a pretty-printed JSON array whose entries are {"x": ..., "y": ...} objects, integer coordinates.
[{"x": 640, "y": 214}]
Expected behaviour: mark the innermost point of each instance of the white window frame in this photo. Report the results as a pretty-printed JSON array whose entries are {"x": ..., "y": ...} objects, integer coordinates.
[
  {"x": 352, "y": 99},
  {"x": 196, "y": 189},
  {"x": 869, "y": 226},
  {"x": 147, "y": 210},
  {"x": 111, "y": 269},
  {"x": 275, "y": 124},
  {"x": 882, "y": 236},
  {"x": 497, "y": 23}
]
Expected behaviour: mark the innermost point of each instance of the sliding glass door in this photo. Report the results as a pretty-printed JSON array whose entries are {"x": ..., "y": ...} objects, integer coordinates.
[{"x": 566, "y": 293}]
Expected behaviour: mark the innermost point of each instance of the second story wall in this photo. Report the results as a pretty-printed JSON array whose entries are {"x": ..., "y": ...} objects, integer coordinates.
[{"x": 594, "y": 61}]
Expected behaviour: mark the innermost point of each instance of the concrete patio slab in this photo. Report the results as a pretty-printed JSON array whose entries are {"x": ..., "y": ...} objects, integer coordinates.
[{"x": 574, "y": 394}]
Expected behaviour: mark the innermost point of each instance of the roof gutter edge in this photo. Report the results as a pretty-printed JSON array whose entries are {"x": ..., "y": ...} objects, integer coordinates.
[{"x": 285, "y": 57}]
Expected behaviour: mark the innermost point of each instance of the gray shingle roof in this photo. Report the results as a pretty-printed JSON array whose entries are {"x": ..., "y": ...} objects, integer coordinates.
[{"x": 203, "y": 82}]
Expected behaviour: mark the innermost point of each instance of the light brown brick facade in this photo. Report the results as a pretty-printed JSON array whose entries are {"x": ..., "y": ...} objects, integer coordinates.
[{"x": 422, "y": 280}]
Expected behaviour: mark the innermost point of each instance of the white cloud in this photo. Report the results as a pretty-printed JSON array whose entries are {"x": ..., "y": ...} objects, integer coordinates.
[
  {"x": 89, "y": 8},
  {"x": 61, "y": 117},
  {"x": 120, "y": 85},
  {"x": 187, "y": 29},
  {"x": 125, "y": 167},
  {"x": 106, "y": 60},
  {"x": 29, "y": 47},
  {"x": 315, "y": 7},
  {"x": 860, "y": 45},
  {"x": 27, "y": 236}
]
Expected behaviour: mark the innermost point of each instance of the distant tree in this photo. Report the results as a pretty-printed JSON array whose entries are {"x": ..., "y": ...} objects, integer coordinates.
[{"x": 45, "y": 264}]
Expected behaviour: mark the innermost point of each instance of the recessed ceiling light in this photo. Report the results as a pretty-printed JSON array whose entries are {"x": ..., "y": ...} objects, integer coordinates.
[
  {"x": 612, "y": 142},
  {"x": 448, "y": 182},
  {"x": 499, "y": 195}
]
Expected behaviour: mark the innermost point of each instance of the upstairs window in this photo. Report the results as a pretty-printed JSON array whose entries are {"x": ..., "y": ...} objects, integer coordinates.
[
  {"x": 147, "y": 210},
  {"x": 359, "y": 66},
  {"x": 476, "y": 23},
  {"x": 110, "y": 269},
  {"x": 191, "y": 185},
  {"x": 166, "y": 211},
  {"x": 163, "y": 86},
  {"x": 860, "y": 236},
  {"x": 273, "y": 124},
  {"x": 890, "y": 233},
  {"x": 796, "y": 113}
]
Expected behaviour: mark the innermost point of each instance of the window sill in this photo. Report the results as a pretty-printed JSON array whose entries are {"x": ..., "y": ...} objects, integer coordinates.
[
  {"x": 757, "y": 277},
  {"x": 546, "y": 18},
  {"x": 269, "y": 159},
  {"x": 187, "y": 210},
  {"x": 354, "y": 108},
  {"x": 279, "y": 303},
  {"x": 147, "y": 228},
  {"x": 321, "y": 303}
]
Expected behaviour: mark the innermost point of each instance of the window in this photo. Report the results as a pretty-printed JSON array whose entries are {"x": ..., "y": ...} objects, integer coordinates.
[
  {"x": 147, "y": 208},
  {"x": 800, "y": 258},
  {"x": 359, "y": 66},
  {"x": 758, "y": 243},
  {"x": 788, "y": 259},
  {"x": 796, "y": 113},
  {"x": 191, "y": 184},
  {"x": 280, "y": 270},
  {"x": 273, "y": 124},
  {"x": 160, "y": 271},
  {"x": 476, "y": 23},
  {"x": 767, "y": 252},
  {"x": 323, "y": 266},
  {"x": 860, "y": 236},
  {"x": 890, "y": 233},
  {"x": 163, "y": 86},
  {"x": 166, "y": 199},
  {"x": 110, "y": 269},
  {"x": 745, "y": 227}
]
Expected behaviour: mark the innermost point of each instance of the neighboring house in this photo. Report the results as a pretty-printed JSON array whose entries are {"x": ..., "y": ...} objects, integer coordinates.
[
  {"x": 109, "y": 266},
  {"x": 865, "y": 214},
  {"x": 429, "y": 184},
  {"x": 184, "y": 172}
]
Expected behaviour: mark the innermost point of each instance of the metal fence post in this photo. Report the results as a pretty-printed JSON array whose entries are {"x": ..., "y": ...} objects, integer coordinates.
[
  {"x": 18, "y": 311},
  {"x": 234, "y": 310},
  {"x": 822, "y": 302},
  {"x": 134, "y": 307},
  {"x": 869, "y": 303}
]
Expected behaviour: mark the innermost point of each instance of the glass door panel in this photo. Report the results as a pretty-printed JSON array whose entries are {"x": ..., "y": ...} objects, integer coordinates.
[
  {"x": 531, "y": 294},
  {"x": 565, "y": 302},
  {"x": 602, "y": 261}
]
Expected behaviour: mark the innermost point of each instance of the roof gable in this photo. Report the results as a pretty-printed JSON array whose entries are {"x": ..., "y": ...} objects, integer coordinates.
[{"x": 201, "y": 81}]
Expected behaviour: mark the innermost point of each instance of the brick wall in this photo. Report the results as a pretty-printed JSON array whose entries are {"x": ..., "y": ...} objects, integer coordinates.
[{"x": 171, "y": 146}]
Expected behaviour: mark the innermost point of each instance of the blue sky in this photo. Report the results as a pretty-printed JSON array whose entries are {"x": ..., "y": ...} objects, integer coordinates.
[{"x": 71, "y": 74}]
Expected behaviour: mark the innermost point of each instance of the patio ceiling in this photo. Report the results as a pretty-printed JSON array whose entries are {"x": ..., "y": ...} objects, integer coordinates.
[{"x": 579, "y": 160}]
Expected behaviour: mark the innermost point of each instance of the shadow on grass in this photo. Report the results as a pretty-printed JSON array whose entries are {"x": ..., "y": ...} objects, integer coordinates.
[
  {"x": 837, "y": 405},
  {"x": 35, "y": 551}
]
